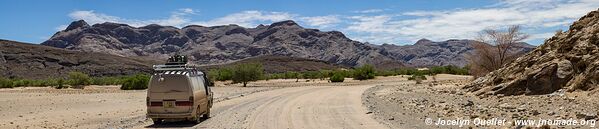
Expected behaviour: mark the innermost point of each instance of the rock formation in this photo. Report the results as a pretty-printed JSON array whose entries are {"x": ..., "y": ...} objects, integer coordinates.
[{"x": 569, "y": 60}]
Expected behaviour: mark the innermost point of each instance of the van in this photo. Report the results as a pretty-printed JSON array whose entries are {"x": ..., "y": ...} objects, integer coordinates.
[{"x": 178, "y": 92}]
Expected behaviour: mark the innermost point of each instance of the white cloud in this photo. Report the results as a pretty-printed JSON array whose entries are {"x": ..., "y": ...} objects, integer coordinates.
[
  {"x": 369, "y": 11},
  {"x": 61, "y": 27},
  {"x": 465, "y": 23},
  {"x": 322, "y": 21},
  {"x": 540, "y": 36},
  {"x": 176, "y": 18},
  {"x": 187, "y": 10},
  {"x": 248, "y": 18}
]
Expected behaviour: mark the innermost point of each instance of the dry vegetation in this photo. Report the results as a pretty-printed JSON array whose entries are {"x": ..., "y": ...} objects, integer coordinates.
[{"x": 494, "y": 49}]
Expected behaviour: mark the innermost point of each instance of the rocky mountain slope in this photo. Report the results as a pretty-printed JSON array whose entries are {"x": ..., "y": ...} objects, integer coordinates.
[
  {"x": 30, "y": 61},
  {"x": 217, "y": 44},
  {"x": 228, "y": 43},
  {"x": 568, "y": 60},
  {"x": 429, "y": 53}
]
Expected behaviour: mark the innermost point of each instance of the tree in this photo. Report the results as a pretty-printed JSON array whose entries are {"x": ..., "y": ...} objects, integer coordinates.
[
  {"x": 244, "y": 73},
  {"x": 494, "y": 48},
  {"x": 78, "y": 79}
]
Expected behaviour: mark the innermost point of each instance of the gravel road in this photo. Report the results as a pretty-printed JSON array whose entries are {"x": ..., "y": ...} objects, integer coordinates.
[{"x": 297, "y": 107}]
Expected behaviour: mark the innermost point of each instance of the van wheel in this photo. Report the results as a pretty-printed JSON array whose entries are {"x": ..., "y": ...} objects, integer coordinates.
[
  {"x": 198, "y": 117},
  {"x": 157, "y": 121},
  {"x": 207, "y": 115}
]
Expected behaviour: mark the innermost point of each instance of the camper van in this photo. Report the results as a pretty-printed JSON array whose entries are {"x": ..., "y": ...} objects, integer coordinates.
[{"x": 178, "y": 92}]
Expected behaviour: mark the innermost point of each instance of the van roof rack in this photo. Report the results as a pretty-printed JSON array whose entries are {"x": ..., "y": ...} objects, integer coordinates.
[{"x": 174, "y": 67}]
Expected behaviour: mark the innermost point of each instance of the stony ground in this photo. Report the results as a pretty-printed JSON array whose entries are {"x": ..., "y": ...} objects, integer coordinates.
[{"x": 408, "y": 105}]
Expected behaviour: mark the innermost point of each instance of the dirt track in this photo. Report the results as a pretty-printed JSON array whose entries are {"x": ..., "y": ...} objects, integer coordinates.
[{"x": 297, "y": 107}]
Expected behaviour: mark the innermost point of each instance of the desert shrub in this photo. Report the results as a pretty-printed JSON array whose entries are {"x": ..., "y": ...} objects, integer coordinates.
[
  {"x": 337, "y": 77},
  {"x": 136, "y": 82},
  {"x": 363, "y": 73},
  {"x": 20, "y": 83},
  {"x": 244, "y": 73},
  {"x": 78, "y": 79},
  {"x": 386, "y": 73},
  {"x": 6, "y": 83},
  {"x": 59, "y": 84},
  {"x": 325, "y": 74},
  {"x": 221, "y": 74},
  {"x": 292, "y": 75},
  {"x": 450, "y": 69},
  {"x": 311, "y": 75},
  {"x": 106, "y": 80}
]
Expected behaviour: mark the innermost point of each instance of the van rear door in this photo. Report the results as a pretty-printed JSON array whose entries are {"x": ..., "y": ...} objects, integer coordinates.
[{"x": 170, "y": 93}]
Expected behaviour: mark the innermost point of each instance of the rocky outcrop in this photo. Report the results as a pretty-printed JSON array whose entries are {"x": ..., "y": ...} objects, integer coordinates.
[{"x": 568, "y": 60}]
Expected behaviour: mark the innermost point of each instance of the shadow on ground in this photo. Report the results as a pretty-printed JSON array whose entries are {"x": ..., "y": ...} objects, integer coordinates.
[{"x": 175, "y": 124}]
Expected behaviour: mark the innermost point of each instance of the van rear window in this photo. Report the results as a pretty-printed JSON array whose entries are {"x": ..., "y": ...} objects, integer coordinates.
[{"x": 169, "y": 83}]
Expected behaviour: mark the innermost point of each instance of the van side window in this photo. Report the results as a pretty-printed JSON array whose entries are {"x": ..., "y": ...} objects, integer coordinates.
[
  {"x": 199, "y": 83},
  {"x": 204, "y": 85}
]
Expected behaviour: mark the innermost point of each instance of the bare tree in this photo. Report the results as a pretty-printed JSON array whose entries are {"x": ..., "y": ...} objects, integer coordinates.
[{"x": 494, "y": 48}]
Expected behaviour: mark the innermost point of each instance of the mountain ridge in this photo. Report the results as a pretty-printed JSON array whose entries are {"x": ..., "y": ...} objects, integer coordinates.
[{"x": 228, "y": 43}]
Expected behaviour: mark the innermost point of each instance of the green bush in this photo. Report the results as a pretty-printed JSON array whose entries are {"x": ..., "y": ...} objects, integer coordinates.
[
  {"x": 60, "y": 84},
  {"x": 106, "y": 80},
  {"x": 311, "y": 75},
  {"x": 221, "y": 74},
  {"x": 6, "y": 83},
  {"x": 337, "y": 77},
  {"x": 244, "y": 73},
  {"x": 363, "y": 73},
  {"x": 137, "y": 82},
  {"x": 78, "y": 79}
]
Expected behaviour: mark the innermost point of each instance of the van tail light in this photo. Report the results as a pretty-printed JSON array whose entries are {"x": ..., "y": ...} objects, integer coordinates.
[{"x": 185, "y": 103}]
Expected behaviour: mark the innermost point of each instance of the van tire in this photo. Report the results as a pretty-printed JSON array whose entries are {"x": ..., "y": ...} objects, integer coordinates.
[
  {"x": 157, "y": 121},
  {"x": 207, "y": 115},
  {"x": 198, "y": 117}
]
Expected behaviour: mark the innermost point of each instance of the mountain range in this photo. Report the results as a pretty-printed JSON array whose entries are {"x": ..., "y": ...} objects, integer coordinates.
[
  {"x": 230, "y": 43},
  {"x": 32, "y": 61}
]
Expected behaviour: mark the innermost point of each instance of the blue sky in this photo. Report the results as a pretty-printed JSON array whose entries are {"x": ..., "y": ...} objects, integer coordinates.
[{"x": 384, "y": 21}]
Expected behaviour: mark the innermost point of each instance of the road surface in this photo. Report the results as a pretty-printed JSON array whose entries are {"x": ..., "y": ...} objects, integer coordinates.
[{"x": 308, "y": 107}]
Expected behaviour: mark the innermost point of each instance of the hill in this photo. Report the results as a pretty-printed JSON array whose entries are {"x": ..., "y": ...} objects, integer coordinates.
[{"x": 30, "y": 61}]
